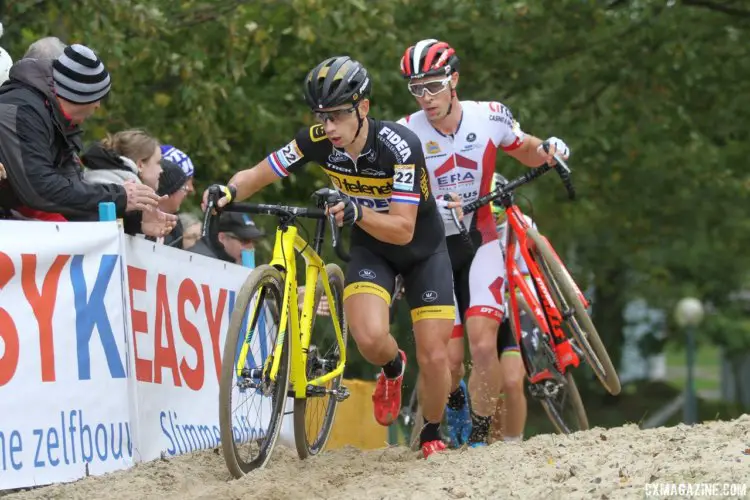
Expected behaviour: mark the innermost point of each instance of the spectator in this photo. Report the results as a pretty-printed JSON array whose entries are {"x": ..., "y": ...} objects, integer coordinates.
[
  {"x": 48, "y": 48},
  {"x": 129, "y": 156},
  {"x": 5, "y": 61},
  {"x": 237, "y": 232},
  {"x": 183, "y": 160},
  {"x": 191, "y": 230},
  {"x": 172, "y": 189},
  {"x": 41, "y": 109}
]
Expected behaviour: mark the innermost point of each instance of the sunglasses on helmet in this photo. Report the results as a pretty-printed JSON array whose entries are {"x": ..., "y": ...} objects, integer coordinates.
[{"x": 433, "y": 87}]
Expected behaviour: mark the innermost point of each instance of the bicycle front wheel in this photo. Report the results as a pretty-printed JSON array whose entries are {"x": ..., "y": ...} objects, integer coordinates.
[
  {"x": 248, "y": 438},
  {"x": 581, "y": 327},
  {"x": 314, "y": 414}
]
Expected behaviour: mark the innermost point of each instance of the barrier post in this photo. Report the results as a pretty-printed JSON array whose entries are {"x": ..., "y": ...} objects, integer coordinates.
[
  {"x": 248, "y": 258},
  {"x": 107, "y": 212}
]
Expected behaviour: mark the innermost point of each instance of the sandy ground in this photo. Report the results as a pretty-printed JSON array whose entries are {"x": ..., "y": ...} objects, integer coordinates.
[{"x": 596, "y": 464}]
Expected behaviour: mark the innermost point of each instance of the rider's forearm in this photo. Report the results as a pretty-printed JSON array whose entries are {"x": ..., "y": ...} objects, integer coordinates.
[
  {"x": 527, "y": 153},
  {"x": 395, "y": 229},
  {"x": 250, "y": 181}
]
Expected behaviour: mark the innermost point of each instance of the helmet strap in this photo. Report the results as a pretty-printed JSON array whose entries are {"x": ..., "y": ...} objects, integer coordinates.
[
  {"x": 360, "y": 122},
  {"x": 453, "y": 95}
]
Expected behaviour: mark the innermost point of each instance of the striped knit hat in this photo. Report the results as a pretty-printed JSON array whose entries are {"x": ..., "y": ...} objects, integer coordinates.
[
  {"x": 173, "y": 154},
  {"x": 80, "y": 77}
]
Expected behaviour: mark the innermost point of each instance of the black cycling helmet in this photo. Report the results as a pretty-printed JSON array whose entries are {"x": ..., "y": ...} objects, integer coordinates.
[{"x": 336, "y": 81}]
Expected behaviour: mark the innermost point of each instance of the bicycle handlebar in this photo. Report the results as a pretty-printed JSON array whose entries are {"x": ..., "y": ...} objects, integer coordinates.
[
  {"x": 561, "y": 168},
  {"x": 324, "y": 196}
]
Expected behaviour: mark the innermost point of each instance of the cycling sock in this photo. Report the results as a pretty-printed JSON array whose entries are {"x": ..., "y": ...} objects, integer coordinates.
[
  {"x": 430, "y": 432},
  {"x": 394, "y": 367},
  {"x": 480, "y": 428},
  {"x": 513, "y": 439},
  {"x": 457, "y": 399}
]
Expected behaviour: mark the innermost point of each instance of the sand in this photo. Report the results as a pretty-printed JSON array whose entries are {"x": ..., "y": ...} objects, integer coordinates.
[{"x": 597, "y": 464}]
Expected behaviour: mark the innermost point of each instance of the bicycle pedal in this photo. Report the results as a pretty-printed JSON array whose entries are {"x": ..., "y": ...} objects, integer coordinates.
[
  {"x": 316, "y": 391},
  {"x": 342, "y": 393}
]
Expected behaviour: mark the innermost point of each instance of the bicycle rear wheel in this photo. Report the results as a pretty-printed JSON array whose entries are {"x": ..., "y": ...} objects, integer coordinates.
[
  {"x": 561, "y": 401},
  {"x": 247, "y": 441},
  {"x": 314, "y": 414},
  {"x": 580, "y": 326}
]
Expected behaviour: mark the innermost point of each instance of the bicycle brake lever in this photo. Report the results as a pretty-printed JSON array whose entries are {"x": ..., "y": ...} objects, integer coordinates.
[
  {"x": 459, "y": 224},
  {"x": 563, "y": 170}
]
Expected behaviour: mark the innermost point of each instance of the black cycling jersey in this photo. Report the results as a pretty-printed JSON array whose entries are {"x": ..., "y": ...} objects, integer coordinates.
[{"x": 390, "y": 169}]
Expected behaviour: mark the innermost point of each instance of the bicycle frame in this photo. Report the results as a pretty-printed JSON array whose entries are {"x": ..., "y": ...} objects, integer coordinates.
[
  {"x": 548, "y": 315},
  {"x": 287, "y": 244}
]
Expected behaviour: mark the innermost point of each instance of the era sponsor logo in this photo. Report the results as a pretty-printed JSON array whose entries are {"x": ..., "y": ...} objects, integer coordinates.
[
  {"x": 455, "y": 178},
  {"x": 398, "y": 145},
  {"x": 353, "y": 185}
]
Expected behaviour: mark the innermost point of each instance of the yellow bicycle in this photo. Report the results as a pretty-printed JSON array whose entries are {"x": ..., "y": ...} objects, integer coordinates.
[{"x": 269, "y": 352}]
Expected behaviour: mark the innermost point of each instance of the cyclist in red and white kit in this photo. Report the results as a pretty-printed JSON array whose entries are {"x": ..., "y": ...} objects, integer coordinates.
[{"x": 460, "y": 141}]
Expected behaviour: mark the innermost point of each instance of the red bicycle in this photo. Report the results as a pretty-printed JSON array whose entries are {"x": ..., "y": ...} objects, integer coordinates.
[{"x": 562, "y": 331}]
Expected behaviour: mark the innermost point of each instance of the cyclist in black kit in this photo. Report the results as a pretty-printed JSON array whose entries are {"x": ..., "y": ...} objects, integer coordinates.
[{"x": 379, "y": 168}]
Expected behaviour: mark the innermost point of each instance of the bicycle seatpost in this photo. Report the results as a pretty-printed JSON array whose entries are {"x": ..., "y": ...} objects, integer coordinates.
[{"x": 459, "y": 223}]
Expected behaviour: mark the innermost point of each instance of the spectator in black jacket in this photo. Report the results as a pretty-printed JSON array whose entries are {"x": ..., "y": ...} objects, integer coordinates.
[
  {"x": 173, "y": 188},
  {"x": 237, "y": 232},
  {"x": 41, "y": 108}
]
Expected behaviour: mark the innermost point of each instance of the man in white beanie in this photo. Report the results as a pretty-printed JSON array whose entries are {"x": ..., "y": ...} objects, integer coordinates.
[{"x": 41, "y": 108}]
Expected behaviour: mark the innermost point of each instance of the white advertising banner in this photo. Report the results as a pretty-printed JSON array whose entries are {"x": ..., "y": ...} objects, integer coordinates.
[
  {"x": 180, "y": 304},
  {"x": 63, "y": 361}
]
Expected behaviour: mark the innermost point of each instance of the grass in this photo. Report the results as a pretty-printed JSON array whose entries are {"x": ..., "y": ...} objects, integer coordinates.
[
  {"x": 707, "y": 356},
  {"x": 707, "y": 368}
]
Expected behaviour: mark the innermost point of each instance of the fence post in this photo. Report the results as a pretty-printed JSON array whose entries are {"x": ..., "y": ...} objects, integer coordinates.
[
  {"x": 107, "y": 212},
  {"x": 248, "y": 258}
]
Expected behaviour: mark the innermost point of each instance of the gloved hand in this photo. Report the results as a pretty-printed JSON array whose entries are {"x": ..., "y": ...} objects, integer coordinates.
[
  {"x": 224, "y": 195},
  {"x": 346, "y": 211},
  {"x": 555, "y": 147},
  {"x": 445, "y": 206}
]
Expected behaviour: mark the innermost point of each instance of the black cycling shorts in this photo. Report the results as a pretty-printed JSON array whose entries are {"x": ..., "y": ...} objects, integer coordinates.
[
  {"x": 428, "y": 283},
  {"x": 506, "y": 341}
]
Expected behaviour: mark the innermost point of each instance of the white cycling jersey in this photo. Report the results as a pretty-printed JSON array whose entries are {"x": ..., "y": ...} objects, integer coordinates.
[{"x": 464, "y": 162}]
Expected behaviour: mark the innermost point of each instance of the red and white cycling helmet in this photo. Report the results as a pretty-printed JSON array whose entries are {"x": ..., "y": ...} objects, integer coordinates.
[{"x": 429, "y": 58}]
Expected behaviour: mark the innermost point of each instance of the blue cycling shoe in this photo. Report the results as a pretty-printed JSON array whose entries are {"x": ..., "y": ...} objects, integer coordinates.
[{"x": 458, "y": 422}]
